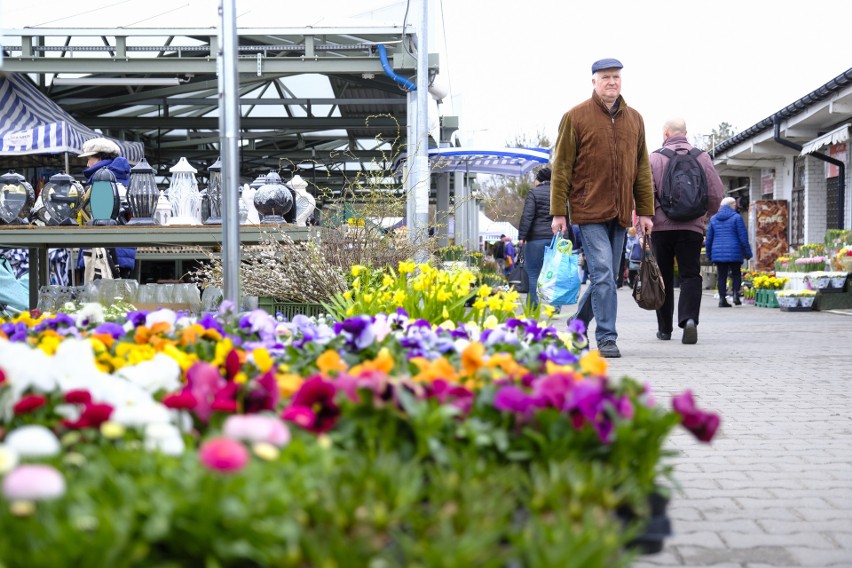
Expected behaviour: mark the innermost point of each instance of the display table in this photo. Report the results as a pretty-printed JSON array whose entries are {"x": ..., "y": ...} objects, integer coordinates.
[{"x": 39, "y": 239}]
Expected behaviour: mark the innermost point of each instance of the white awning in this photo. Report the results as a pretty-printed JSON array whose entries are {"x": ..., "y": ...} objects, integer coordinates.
[{"x": 836, "y": 136}]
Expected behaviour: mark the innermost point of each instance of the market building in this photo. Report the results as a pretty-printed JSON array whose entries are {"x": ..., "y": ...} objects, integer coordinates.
[{"x": 789, "y": 171}]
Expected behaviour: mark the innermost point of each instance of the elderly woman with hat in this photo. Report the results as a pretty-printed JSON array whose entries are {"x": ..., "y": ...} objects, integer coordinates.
[{"x": 104, "y": 153}]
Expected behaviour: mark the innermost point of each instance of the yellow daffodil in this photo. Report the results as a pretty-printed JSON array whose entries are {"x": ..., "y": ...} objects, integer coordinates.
[
  {"x": 406, "y": 267},
  {"x": 357, "y": 269}
]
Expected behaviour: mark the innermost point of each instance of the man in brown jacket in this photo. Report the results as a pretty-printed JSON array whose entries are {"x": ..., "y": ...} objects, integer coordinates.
[{"x": 601, "y": 171}]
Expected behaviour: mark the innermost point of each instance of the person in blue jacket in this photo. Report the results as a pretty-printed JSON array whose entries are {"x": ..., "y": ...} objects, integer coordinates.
[
  {"x": 104, "y": 153},
  {"x": 727, "y": 246}
]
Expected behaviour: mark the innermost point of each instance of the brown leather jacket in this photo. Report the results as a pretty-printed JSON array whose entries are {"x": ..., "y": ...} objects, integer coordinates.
[{"x": 600, "y": 165}]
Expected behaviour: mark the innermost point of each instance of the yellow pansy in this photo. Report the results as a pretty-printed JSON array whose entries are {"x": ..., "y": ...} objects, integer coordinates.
[
  {"x": 134, "y": 354},
  {"x": 471, "y": 358},
  {"x": 593, "y": 364},
  {"x": 506, "y": 363},
  {"x": 112, "y": 430},
  {"x": 49, "y": 342},
  {"x": 262, "y": 360},
  {"x": 184, "y": 359},
  {"x": 490, "y": 322},
  {"x": 330, "y": 363},
  {"x": 221, "y": 353},
  {"x": 383, "y": 363},
  {"x": 288, "y": 384},
  {"x": 240, "y": 378}
]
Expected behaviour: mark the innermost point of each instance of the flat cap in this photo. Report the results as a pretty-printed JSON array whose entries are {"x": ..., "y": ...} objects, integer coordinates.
[
  {"x": 602, "y": 64},
  {"x": 99, "y": 146}
]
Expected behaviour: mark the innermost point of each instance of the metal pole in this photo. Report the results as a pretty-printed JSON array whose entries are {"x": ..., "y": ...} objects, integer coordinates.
[
  {"x": 419, "y": 137},
  {"x": 229, "y": 126}
]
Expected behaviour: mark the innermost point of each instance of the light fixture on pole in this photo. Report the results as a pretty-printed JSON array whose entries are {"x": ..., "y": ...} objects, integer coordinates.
[
  {"x": 117, "y": 81},
  {"x": 142, "y": 194}
]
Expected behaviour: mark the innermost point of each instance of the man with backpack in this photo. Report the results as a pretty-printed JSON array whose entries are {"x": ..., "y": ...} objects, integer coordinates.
[{"x": 687, "y": 192}]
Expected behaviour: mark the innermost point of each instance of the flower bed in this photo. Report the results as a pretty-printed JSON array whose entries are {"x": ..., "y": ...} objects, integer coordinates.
[{"x": 242, "y": 440}]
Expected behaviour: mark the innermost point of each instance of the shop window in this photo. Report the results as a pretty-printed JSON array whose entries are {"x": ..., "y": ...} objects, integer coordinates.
[{"x": 832, "y": 211}]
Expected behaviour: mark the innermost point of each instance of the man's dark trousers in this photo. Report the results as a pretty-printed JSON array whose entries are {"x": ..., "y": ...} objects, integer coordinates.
[{"x": 685, "y": 247}]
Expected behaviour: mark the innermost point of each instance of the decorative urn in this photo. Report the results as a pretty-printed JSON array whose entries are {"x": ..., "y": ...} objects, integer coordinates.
[{"x": 273, "y": 200}]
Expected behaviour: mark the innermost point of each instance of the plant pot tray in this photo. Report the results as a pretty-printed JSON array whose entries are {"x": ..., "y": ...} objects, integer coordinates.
[{"x": 797, "y": 309}]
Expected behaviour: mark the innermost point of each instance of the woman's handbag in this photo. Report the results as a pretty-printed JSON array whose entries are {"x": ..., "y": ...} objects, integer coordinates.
[
  {"x": 649, "y": 290},
  {"x": 518, "y": 277},
  {"x": 559, "y": 281}
]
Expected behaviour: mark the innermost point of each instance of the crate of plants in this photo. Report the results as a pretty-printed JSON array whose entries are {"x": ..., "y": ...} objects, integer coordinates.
[{"x": 795, "y": 300}]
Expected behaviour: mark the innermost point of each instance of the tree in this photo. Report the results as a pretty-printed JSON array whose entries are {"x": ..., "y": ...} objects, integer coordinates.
[
  {"x": 719, "y": 134},
  {"x": 504, "y": 196}
]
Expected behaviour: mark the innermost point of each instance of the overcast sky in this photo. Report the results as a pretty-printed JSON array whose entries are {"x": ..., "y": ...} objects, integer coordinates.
[{"x": 514, "y": 68}]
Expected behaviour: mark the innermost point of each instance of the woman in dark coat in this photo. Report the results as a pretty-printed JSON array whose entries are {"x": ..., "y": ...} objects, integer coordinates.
[
  {"x": 727, "y": 246},
  {"x": 104, "y": 153},
  {"x": 534, "y": 230}
]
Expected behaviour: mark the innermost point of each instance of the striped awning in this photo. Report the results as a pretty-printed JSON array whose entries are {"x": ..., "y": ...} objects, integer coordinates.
[
  {"x": 501, "y": 161},
  {"x": 836, "y": 136},
  {"x": 31, "y": 123}
]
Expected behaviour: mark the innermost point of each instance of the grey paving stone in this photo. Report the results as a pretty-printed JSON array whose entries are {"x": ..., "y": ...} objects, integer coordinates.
[{"x": 774, "y": 489}]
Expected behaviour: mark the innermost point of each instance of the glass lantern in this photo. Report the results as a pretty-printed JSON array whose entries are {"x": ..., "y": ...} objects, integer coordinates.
[
  {"x": 142, "y": 194},
  {"x": 16, "y": 199},
  {"x": 104, "y": 200},
  {"x": 273, "y": 200},
  {"x": 61, "y": 197},
  {"x": 184, "y": 196},
  {"x": 214, "y": 193}
]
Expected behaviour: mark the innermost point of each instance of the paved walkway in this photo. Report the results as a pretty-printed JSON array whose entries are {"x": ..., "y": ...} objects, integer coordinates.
[{"x": 774, "y": 489}]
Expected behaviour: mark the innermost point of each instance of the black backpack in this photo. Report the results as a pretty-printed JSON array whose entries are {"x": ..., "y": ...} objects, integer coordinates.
[{"x": 683, "y": 196}]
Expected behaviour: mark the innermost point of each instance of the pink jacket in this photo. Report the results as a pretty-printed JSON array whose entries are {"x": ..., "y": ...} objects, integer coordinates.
[{"x": 715, "y": 188}]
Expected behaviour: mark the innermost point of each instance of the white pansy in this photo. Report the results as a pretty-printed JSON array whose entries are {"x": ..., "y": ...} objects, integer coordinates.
[
  {"x": 26, "y": 368},
  {"x": 88, "y": 314},
  {"x": 8, "y": 459},
  {"x": 162, "y": 315},
  {"x": 138, "y": 415},
  {"x": 165, "y": 438},
  {"x": 160, "y": 373},
  {"x": 33, "y": 441}
]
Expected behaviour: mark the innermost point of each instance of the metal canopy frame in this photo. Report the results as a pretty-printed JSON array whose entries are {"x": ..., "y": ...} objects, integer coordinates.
[{"x": 357, "y": 125}]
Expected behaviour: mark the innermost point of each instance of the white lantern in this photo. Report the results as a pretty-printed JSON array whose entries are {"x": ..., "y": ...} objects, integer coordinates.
[
  {"x": 184, "y": 196},
  {"x": 305, "y": 202}
]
